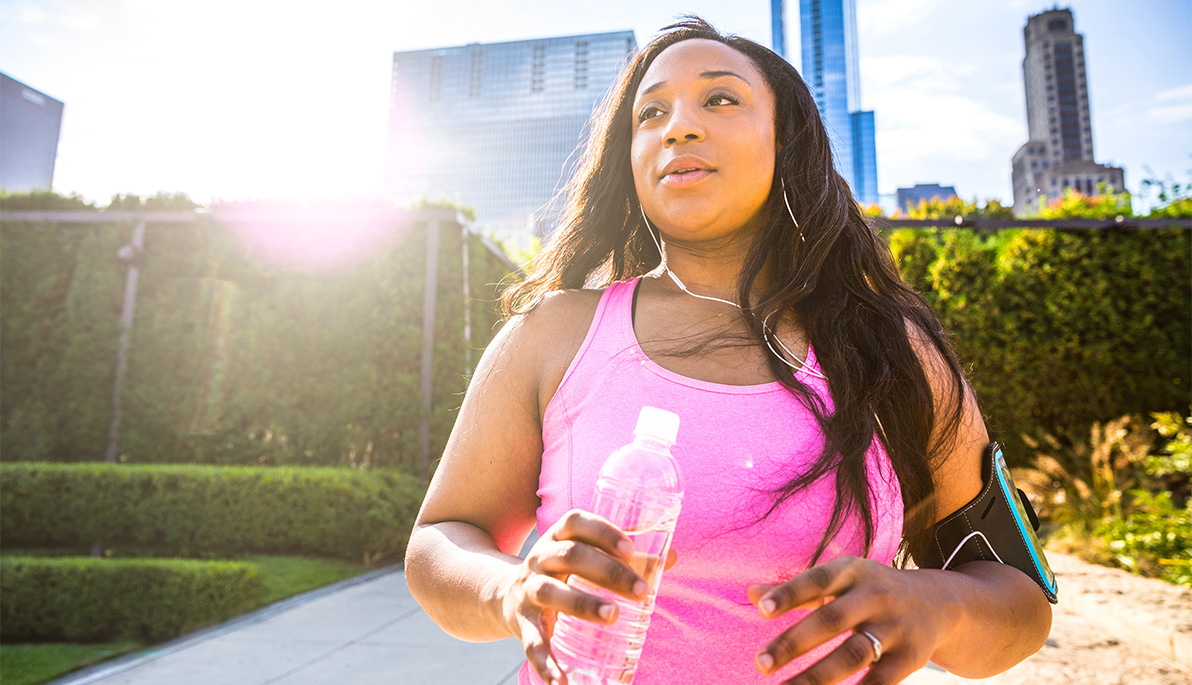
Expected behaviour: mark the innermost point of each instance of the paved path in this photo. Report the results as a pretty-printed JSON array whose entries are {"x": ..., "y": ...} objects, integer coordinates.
[{"x": 370, "y": 630}]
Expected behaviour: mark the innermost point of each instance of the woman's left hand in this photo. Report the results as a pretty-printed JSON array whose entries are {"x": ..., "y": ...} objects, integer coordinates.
[{"x": 905, "y": 611}]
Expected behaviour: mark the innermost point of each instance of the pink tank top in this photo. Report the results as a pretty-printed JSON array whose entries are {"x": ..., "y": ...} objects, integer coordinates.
[{"x": 735, "y": 442}]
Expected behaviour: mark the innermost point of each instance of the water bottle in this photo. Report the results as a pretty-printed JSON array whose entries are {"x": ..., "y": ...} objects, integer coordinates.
[{"x": 639, "y": 490}]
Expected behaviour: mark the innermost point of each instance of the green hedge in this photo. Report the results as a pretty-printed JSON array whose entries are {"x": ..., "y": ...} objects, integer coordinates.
[
  {"x": 189, "y": 510},
  {"x": 234, "y": 358},
  {"x": 82, "y": 599},
  {"x": 1062, "y": 329}
]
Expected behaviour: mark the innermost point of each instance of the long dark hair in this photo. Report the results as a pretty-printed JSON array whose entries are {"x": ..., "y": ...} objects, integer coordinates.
[{"x": 833, "y": 274}]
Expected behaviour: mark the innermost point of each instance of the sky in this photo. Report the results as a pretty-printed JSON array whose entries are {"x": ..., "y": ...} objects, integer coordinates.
[{"x": 244, "y": 99}]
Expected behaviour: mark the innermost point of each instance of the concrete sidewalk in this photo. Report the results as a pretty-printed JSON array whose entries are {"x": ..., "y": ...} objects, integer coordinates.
[
  {"x": 365, "y": 630},
  {"x": 370, "y": 630}
]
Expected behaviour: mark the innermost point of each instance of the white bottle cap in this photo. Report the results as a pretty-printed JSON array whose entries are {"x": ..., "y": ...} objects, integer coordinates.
[{"x": 658, "y": 424}]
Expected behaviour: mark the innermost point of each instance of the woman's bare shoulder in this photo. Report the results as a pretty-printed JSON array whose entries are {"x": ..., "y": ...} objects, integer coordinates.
[{"x": 542, "y": 342}]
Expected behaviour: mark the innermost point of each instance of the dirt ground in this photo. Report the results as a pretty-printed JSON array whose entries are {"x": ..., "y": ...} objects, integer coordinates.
[{"x": 1104, "y": 632}]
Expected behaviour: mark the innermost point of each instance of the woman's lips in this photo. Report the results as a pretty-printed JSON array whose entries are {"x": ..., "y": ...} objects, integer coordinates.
[{"x": 685, "y": 180}]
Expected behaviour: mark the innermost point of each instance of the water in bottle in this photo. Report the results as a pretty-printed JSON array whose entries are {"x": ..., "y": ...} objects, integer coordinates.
[{"x": 638, "y": 490}]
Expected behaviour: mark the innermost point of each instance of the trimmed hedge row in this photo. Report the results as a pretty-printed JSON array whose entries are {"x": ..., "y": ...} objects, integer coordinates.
[
  {"x": 83, "y": 599},
  {"x": 1062, "y": 329},
  {"x": 192, "y": 509}
]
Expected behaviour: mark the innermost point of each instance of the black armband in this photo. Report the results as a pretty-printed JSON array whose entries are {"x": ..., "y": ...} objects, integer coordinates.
[{"x": 998, "y": 525}]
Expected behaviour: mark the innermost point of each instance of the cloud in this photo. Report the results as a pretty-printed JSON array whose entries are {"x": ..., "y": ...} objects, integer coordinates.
[
  {"x": 1173, "y": 114},
  {"x": 876, "y": 18},
  {"x": 923, "y": 108},
  {"x": 1178, "y": 94},
  {"x": 915, "y": 73},
  {"x": 924, "y": 125},
  {"x": 1176, "y": 107},
  {"x": 933, "y": 125}
]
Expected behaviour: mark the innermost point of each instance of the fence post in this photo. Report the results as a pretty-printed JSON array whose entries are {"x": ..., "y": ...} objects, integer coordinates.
[
  {"x": 464, "y": 234},
  {"x": 428, "y": 337},
  {"x": 130, "y": 253}
]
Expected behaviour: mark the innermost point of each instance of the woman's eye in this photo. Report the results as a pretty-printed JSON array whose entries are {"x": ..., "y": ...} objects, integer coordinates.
[
  {"x": 722, "y": 100},
  {"x": 648, "y": 113}
]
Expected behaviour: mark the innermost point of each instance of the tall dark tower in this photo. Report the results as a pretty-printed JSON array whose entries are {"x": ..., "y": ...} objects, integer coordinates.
[{"x": 1059, "y": 153}]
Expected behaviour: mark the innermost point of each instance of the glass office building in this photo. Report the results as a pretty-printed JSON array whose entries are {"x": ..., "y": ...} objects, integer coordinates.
[
  {"x": 495, "y": 126},
  {"x": 828, "y": 33},
  {"x": 30, "y": 122},
  {"x": 909, "y": 198},
  {"x": 778, "y": 27}
]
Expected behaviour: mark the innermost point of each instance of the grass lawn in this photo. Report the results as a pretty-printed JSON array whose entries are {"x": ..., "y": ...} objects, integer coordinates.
[
  {"x": 281, "y": 577},
  {"x": 22, "y": 664}
]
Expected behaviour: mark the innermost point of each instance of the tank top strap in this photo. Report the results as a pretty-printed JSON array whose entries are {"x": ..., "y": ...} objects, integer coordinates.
[{"x": 610, "y": 334}]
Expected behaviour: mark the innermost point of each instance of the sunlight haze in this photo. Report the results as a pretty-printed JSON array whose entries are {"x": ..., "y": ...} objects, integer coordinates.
[{"x": 262, "y": 99}]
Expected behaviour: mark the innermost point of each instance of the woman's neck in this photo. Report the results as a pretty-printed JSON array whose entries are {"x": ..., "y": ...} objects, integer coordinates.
[{"x": 710, "y": 270}]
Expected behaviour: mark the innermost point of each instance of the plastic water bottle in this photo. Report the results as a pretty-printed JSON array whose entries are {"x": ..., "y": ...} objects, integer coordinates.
[{"x": 639, "y": 490}]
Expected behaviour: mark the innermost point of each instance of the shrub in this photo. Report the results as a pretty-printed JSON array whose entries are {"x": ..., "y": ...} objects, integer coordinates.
[
  {"x": 1117, "y": 500},
  {"x": 1155, "y": 539},
  {"x": 82, "y": 599},
  {"x": 194, "y": 509}
]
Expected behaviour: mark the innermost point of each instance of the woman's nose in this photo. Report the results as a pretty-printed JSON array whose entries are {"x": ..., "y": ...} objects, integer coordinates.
[{"x": 682, "y": 126}]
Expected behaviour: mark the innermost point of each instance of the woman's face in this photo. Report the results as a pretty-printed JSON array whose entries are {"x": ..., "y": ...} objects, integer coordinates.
[{"x": 703, "y": 141}]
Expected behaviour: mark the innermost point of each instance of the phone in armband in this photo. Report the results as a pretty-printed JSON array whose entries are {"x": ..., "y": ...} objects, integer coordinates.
[{"x": 997, "y": 525}]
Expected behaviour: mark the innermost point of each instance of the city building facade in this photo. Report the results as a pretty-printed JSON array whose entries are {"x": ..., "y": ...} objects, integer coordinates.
[
  {"x": 909, "y": 198},
  {"x": 828, "y": 42},
  {"x": 495, "y": 126},
  {"x": 1059, "y": 153},
  {"x": 30, "y": 122},
  {"x": 778, "y": 28}
]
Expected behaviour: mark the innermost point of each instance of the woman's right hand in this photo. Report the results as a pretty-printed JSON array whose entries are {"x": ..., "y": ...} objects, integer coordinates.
[{"x": 580, "y": 543}]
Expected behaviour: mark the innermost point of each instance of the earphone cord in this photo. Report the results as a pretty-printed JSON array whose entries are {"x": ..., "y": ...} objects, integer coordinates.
[{"x": 767, "y": 335}]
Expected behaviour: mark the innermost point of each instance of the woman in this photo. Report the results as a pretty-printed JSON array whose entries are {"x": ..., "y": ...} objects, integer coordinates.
[{"x": 825, "y": 421}]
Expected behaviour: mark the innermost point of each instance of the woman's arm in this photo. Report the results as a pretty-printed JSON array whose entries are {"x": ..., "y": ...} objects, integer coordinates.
[
  {"x": 975, "y": 620},
  {"x": 999, "y": 615},
  {"x": 482, "y": 502}
]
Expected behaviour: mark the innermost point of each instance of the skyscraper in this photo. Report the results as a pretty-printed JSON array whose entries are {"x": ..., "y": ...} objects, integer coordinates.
[
  {"x": 1059, "y": 153},
  {"x": 778, "y": 27},
  {"x": 828, "y": 31},
  {"x": 29, "y": 125},
  {"x": 493, "y": 125}
]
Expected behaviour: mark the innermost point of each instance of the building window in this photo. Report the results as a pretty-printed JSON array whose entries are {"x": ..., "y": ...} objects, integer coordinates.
[
  {"x": 538, "y": 68},
  {"x": 581, "y": 65},
  {"x": 436, "y": 77},
  {"x": 476, "y": 74}
]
